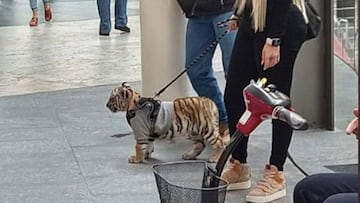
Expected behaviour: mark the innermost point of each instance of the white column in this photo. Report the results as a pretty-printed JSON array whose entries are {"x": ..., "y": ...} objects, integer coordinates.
[{"x": 162, "y": 48}]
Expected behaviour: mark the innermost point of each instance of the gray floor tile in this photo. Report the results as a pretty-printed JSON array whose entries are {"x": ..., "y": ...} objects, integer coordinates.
[
  {"x": 31, "y": 133},
  {"x": 33, "y": 146},
  {"x": 62, "y": 193}
]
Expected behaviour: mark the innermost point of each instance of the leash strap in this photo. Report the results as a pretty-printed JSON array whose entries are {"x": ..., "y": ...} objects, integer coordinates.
[{"x": 197, "y": 59}]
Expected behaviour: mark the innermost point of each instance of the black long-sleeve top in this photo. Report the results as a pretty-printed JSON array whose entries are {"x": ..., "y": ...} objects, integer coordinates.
[
  {"x": 276, "y": 16},
  {"x": 211, "y": 7},
  {"x": 283, "y": 20}
]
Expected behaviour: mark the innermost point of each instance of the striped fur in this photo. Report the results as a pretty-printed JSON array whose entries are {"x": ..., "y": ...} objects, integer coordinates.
[{"x": 195, "y": 117}]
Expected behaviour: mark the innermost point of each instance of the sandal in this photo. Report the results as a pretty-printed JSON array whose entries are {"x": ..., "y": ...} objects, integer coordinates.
[
  {"x": 48, "y": 14},
  {"x": 34, "y": 21}
]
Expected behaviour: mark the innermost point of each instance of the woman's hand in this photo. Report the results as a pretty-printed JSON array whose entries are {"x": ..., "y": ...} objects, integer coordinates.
[
  {"x": 233, "y": 23},
  {"x": 270, "y": 56}
]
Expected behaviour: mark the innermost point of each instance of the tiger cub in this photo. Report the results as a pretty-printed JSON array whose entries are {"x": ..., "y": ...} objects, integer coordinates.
[{"x": 196, "y": 117}]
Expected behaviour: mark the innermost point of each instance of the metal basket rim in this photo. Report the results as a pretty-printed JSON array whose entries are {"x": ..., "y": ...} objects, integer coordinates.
[{"x": 185, "y": 162}]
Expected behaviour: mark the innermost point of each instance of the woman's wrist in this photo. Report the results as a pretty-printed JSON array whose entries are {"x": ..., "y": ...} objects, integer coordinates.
[
  {"x": 235, "y": 17},
  {"x": 275, "y": 42}
]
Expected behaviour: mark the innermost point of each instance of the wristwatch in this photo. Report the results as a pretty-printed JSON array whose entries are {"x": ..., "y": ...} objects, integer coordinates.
[{"x": 275, "y": 42}]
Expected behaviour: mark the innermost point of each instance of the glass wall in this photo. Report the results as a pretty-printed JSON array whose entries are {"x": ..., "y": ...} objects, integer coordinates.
[
  {"x": 345, "y": 61},
  {"x": 345, "y": 30}
]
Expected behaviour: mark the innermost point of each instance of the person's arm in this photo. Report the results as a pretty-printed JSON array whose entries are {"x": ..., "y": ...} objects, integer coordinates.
[
  {"x": 276, "y": 27},
  {"x": 279, "y": 10}
]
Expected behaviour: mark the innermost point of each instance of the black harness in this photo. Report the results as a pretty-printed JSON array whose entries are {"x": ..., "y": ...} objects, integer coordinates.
[{"x": 154, "y": 106}]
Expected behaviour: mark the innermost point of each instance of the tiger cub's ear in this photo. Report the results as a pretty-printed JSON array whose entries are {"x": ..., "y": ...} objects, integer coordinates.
[{"x": 125, "y": 85}]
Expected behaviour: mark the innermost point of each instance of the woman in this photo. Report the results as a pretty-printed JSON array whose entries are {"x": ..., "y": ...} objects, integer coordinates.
[
  {"x": 35, "y": 17},
  {"x": 269, "y": 36}
]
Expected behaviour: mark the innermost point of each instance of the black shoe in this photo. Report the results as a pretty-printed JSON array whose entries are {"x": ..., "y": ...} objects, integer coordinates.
[
  {"x": 124, "y": 29},
  {"x": 104, "y": 33}
]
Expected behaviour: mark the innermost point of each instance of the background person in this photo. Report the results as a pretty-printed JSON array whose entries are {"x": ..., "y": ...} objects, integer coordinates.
[
  {"x": 35, "y": 17},
  {"x": 121, "y": 18},
  {"x": 202, "y": 30}
]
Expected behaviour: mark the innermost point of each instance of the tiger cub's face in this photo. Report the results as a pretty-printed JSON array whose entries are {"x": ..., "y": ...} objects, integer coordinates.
[{"x": 122, "y": 98}]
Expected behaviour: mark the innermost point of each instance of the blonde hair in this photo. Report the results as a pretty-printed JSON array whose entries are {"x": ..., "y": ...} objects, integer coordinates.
[{"x": 258, "y": 12}]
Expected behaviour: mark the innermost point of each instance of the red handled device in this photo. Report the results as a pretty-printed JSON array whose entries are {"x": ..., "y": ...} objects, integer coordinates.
[{"x": 262, "y": 102}]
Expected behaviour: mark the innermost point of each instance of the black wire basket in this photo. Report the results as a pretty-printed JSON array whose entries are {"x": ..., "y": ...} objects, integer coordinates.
[{"x": 189, "y": 182}]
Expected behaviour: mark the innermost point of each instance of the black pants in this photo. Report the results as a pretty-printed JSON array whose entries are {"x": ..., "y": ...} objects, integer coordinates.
[
  {"x": 244, "y": 66},
  {"x": 327, "y": 188}
]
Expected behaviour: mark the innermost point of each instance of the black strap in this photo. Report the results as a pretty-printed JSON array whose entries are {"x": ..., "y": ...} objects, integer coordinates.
[{"x": 154, "y": 111}]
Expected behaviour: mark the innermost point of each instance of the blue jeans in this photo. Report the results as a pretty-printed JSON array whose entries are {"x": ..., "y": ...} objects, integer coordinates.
[
  {"x": 201, "y": 31},
  {"x": 104, "y": 14},
  {"x": 33, "y": 4}
]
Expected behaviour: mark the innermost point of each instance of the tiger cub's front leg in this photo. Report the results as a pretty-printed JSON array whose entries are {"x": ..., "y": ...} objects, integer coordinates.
[
  {"x": 149, "y": 150},
  {"x": 139, "y": 156}
]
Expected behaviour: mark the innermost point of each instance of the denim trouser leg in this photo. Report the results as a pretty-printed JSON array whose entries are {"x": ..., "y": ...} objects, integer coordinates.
[
  {"x": 33, "y": 5},
  {"x": 200, "y": 33},
  {"x": 227, "y": 42},
  {"x": 104, "y": 14},
  {"x": 121, "y": 13}
]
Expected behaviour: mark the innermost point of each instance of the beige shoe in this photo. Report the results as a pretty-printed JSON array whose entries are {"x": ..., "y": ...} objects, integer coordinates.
[
  {"x": 237, "y": 174},
  {"x": 270, "y": 187}
]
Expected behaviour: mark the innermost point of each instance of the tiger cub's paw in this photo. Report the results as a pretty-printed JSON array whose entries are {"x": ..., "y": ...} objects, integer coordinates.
[
  {"x": 133, "y": 160},
  {"x": 215, "y": 156},
  {"x": 188, "y": 156},
  {"x": 212, "y": 160},
  {"x": 226, "y": 139}
]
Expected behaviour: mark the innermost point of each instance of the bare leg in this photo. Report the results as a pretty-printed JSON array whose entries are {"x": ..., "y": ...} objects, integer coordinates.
[
  {"x": 47, "y": 11},
  {"x": 34, "y": 19}
]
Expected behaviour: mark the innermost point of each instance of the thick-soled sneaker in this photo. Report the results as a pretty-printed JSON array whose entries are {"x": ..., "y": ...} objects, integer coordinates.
[
  {"x": 123, "y": 28},
  {"x": 238, "y": 175},
  {"x": 270, "y": 187},
  {"x": 224, "y": 133}
]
